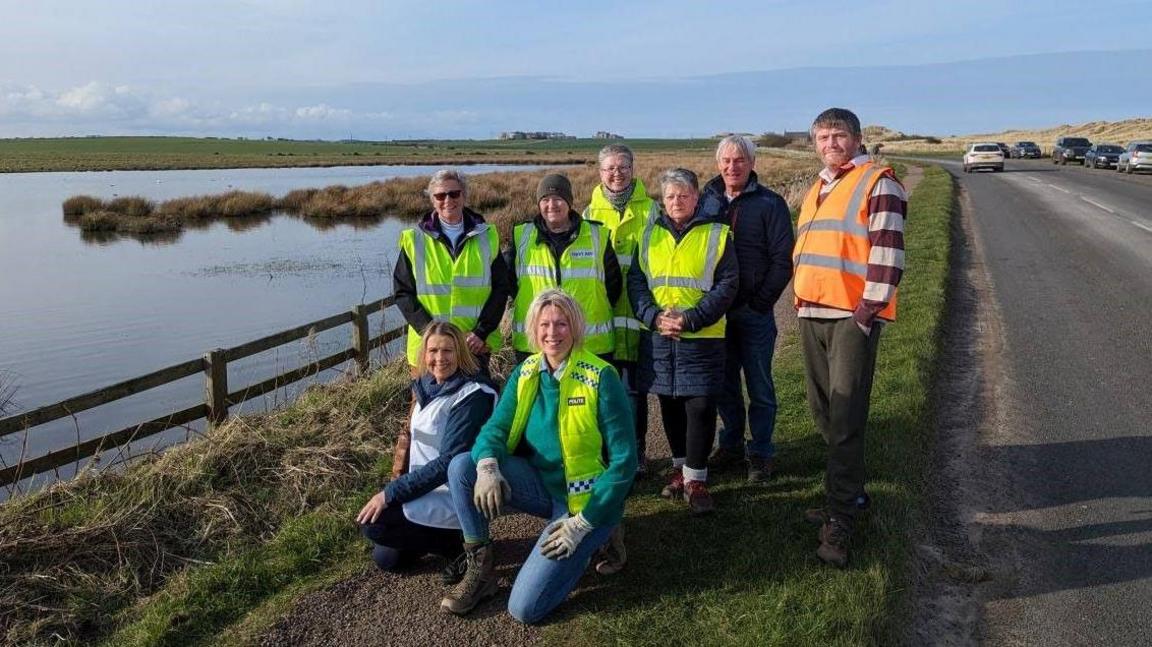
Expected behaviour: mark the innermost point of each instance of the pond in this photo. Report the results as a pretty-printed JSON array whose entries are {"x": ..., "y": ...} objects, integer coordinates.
[{"x": 78, "y": 313}]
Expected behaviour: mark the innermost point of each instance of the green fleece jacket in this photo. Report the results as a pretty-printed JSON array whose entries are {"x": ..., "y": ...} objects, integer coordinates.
[{"x": 542, "y": 437}]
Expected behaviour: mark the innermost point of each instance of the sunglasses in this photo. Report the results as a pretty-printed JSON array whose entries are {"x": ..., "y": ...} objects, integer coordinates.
[{"x": 444, "y": 195}]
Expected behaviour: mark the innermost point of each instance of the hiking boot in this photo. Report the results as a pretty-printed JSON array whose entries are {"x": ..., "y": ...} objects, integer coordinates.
[
  {"x": 760, "y": 469},
  {"x": 725, "y": 458},
  {"x": 699, "y": 500},
  {"x": 835, "y": 535},
  {"x": 612, "y": 556},
  {"x": 454, "y": 571},
  {"x": 816, "y": 516},
  {"x": 675, "y": 487},
  {"x": 479, "y": 582}
]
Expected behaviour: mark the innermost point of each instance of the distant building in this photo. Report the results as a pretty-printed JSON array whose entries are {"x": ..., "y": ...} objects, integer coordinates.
[
  {"x": 518, "y": 134},
  {"x": 604, "y": 134},
  {"x": 799, "y": 135}
]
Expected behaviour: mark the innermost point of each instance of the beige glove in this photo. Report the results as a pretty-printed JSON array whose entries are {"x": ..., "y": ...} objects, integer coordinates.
[
  {"x": 491, "y": 488},
  {"x": 564, "y": 535}
]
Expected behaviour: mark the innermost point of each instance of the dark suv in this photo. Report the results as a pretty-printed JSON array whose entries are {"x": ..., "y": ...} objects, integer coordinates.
[
  {"x": 1070, "y": 149},
  {"x": 1026, "y": 149}
]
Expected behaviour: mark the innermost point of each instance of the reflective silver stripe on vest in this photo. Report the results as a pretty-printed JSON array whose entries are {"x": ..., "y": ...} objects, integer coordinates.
[
  {"x": 713, "y": 252},
  {"x": 537, "y": 270},
  {"x": 480, "y": 235},
  {"x": 625, "y": 260},
  {"x": 472, "y": 312},
  {"x": 598, "y": 329},
  {"x": 833, "y": 262},
  {"x": 858, "y": 193},
  {"x": 679, "y": 282},
  {"x": 850, "y": 227},
  {"x": 584, "y": 273},
  {"x": 644, "y": 245},
  {"x": 418, "y": 240},
  {"x": 599, "y": 263},
  {"x": 626, "y": 323}
]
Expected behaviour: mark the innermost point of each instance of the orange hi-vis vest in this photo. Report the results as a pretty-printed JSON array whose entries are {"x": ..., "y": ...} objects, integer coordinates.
[{"x": 832, "y": 245}]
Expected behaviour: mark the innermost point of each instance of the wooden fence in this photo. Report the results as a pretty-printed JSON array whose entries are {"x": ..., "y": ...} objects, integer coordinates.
[{"x": 214, "y": 366}]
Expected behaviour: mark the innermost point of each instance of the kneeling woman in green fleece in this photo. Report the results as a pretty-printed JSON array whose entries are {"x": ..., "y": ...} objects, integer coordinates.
[{"x": 563, "y": 413}]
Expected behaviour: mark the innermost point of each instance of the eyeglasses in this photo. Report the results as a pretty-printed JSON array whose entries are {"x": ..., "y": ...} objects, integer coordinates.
[
  {"x": 444, "y": 195},
  {"x": 612, "y": 170}
]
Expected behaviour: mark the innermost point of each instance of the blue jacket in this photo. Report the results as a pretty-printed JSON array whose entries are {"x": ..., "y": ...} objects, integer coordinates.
[
  {"x": 688, "y": 367},
  {"x": 763, "y": 236}
]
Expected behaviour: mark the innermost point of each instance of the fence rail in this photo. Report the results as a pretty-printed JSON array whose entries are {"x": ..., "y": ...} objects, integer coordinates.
[{"x": 217, "y": 398}]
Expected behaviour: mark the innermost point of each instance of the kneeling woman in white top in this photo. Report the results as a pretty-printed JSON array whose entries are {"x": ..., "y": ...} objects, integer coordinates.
[{"x": 413, "y": 515}]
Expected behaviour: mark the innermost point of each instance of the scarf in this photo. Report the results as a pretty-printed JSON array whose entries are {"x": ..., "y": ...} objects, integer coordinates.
[{"x": 619, "y": 200}]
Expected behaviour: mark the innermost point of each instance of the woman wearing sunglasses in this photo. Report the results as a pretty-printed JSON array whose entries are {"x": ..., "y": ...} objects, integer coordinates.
[{"x": 450, "y": 269}]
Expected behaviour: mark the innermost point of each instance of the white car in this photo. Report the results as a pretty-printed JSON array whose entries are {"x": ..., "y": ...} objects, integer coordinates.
[
  {"x": 1136, "y": 157},
  {"x": 984, "y": 155}
]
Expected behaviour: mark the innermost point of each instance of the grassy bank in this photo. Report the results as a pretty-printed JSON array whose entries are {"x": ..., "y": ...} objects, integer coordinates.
[
  {"x": 505, "y": 198},
  {"x": 171, "y": 153}
]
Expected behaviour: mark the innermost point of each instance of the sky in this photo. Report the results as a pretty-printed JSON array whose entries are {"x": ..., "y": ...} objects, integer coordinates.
[{"x": 396, "y": 69}]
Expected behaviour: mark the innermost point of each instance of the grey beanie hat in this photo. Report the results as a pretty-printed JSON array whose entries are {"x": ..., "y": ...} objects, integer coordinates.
[{"x": 554, "y": 184}]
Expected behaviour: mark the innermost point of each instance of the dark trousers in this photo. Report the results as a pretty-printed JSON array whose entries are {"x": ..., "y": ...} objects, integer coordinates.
[
  {"x": 750, "y": 343},
  {"x": 839, "y": 360},
  {"x": 690, "y": 425},
  {"x": 394, "y": 530},
  {"x": 639, "y": 400}
]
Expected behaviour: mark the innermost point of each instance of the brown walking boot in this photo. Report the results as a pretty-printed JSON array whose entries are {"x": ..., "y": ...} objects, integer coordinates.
[
  {"x": 675, "y": 487},
  {"x": 699, "y": 500},
  {"x": 816, "y": 516},
  {"x": 760, "y": 469},
  {"x": 479, "y": 581},
  {"x": 835, "y": 535},
  {"x": 612, "y": 556}
]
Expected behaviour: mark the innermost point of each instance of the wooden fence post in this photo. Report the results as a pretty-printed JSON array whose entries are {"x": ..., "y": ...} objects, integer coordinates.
[
  {"x": 216, "y": 385},
  {"x": 360, "y": 337}
]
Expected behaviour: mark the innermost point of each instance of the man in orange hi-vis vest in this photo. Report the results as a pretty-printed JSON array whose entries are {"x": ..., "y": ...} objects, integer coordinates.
[{"x": 849, "y": 257}]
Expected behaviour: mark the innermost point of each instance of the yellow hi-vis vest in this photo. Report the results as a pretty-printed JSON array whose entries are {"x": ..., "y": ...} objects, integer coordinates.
[
  {"x": 626, "y": 230},
  {"x": 832, "y": 245},
  {"x": 450, "y": 289},
  {"x": 679, "y": 273},
  {"x": 581, "y": 274},
  {"x": 581, "y": 442}
]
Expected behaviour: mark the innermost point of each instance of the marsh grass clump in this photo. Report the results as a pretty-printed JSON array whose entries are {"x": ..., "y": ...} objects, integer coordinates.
[
  {"x": 132, "y": 206},
  {"x": 237, "y": 204},
  {"x": 81, "y": 552},
  {"x": 79, "y": 205}
]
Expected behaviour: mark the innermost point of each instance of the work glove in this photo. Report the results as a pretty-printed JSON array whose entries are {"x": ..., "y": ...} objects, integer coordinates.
[
  {"x": 564, "y": 535},
  {"x": 491, "y": 488}
]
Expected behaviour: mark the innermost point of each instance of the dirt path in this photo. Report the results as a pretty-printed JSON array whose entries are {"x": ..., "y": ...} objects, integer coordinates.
[{"x": 375, "y": 608}]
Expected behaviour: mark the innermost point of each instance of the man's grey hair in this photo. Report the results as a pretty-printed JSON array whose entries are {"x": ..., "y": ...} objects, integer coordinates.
[
  {"x": 446, "y": 175},
  {"x": 837, "y": 118},
  {"x": 742, "y": 143},
  {"x": 612, "y": 150},
  {"x": 680, "y": 176}
]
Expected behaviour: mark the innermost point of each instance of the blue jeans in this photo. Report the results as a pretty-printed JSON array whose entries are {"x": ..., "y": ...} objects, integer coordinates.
[
  {"x": 542, "y": 583},
  {"x": 751, "y": 340}
]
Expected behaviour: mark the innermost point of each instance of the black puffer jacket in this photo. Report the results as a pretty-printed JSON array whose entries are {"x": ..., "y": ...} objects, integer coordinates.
[{"x": 688, "y": 367}]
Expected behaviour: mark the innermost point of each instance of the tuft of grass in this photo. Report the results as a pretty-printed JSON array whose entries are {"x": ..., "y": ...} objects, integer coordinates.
[
  {"x": 79, "y": 205},
  {"x": 80, "y": 554},
  {"x": 131, "y": 206}
]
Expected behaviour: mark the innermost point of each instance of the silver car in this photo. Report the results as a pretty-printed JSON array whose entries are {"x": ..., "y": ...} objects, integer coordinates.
[{"x": 1137, "y": 157}]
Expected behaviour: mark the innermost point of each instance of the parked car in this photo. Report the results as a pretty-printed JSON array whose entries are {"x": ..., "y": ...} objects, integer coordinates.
[
  {"x": 1137, "y": 157},
  {"x": 1070, "y": 149},
  {"x": 1004, "y": 149},
  {"x": 984, "y": 155},
  {"x": 1022, "y": 150},
  {"x": 1102, "y": 155}
]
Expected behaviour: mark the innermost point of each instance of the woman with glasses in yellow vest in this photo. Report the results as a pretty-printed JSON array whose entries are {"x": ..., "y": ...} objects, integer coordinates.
[
  {"x": 560, "y": 249},
  {"x": 450, "y": 269},
  {"x": 622, "y": 204},
  {"x": 683, "y": 279},
  {"x": 560, "y": 446}
]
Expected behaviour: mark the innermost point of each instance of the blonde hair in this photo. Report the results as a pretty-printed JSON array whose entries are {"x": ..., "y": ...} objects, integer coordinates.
[
  {"x": 464, "y": 357},
  {"x": 568, "y": 306}
]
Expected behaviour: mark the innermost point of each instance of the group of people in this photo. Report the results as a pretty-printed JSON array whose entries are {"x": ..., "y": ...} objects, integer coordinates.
[{"x": 627, "y": 299}]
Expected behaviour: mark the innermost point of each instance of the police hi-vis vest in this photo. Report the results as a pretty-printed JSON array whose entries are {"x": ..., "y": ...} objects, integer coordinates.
[
  {"x": 679, "y": 273},
  {"x": 450, "y": 289},
  {"x": 626, "y": 230},
  {"x": 832, "y": 245},
  {"x": 581, "y": 441},
  {"x": 435, "y": 508},
  {"x": 581, "y": 275}
]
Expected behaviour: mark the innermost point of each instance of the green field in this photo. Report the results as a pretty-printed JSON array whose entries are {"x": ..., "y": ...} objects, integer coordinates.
[{"x": 168, "y": 153}]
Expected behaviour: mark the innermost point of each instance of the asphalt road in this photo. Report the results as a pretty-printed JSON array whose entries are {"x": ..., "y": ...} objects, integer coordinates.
[{"x": 1060, "y": 501}]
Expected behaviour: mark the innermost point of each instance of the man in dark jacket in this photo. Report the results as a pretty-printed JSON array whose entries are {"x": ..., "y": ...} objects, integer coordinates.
[{"x": 763, "y": 237}]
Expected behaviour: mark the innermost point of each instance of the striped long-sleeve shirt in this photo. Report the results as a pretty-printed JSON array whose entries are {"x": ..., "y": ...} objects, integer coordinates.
[{"x": 887, "y": 209}]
